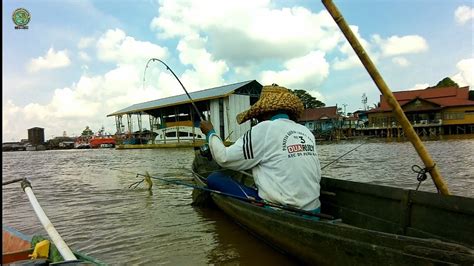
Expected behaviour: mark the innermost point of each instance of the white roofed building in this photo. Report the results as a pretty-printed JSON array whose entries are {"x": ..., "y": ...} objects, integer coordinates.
[{"x": 174, "y": 120}]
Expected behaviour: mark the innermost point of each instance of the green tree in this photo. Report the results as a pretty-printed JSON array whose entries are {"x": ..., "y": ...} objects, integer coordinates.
[
  {"x": 308, "y": 100},
  {"x": 87, "y": 132},
  {"x": 447, "y": 82}
]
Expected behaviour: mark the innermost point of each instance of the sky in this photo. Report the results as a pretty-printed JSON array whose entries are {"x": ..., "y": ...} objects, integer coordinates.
[{"x": 81, "y": 60}]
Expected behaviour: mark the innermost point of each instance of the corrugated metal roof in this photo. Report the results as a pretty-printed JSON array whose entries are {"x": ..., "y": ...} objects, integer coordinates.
[{"x": 215, "y": 92}]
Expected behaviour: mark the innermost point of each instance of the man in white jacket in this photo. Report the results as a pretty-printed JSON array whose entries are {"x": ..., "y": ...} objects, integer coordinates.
[{"x": 281, "y": 153}]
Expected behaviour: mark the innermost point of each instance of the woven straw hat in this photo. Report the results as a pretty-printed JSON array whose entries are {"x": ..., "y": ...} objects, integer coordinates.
[{"x": 273, "y": 98}]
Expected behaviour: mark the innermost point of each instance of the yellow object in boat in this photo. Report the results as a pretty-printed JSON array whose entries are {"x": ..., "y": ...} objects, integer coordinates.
[{"x": 41, "y": 250}]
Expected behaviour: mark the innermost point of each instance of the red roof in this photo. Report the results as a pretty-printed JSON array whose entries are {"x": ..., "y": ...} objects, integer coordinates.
[
  {"x": 319, "y": 113},
  {"x": 444, "y": 97}
]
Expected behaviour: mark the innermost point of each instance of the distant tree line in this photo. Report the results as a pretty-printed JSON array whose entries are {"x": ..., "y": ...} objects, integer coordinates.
[
  {"x": 308, "y": 100},
  {"x": 446, "y": 82}
]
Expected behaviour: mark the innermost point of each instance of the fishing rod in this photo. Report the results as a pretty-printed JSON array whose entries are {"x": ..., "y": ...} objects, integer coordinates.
[
  {"x": 204, "y": 149},
  {"x": 201, "y": 116},
  {"x": 341, "y": 156},
  {"x": 251, "y": 200}
]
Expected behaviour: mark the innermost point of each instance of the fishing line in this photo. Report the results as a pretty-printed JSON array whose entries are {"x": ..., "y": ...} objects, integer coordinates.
[
  {"x": 251, "y": 200},
  {"x": 341, "y": 156}
]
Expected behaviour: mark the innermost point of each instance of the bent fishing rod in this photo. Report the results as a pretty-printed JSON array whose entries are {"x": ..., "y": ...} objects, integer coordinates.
[
  {"x": 201, "y": 117},
  {"x": 204, "y": 149},
  {"x": 249, "y": 199}
]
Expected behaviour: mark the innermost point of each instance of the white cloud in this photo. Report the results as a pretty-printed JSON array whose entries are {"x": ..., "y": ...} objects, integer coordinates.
[
  {"x": 245, "y": 32},
  {"x": 463, "y": 14},
  {"x": 346, "y": 63},
  {"x": 465, "y": 77},
  {"x": 84, "y": 56},
  {"x": 115, "y": 46},
  {"x": 317, "y": 95},
  {"x": 207, "y": 71},
  {"x": 9, "y": 110},
  {"x": 305, "y": 72},
  {"x": 401, "y": 61},
  {"x": 392, "y": 46},
  {"x": 11, "y": 129},
  {"x": 85, "y": 103},
  {"x": 237, "y": 42},
  {"x": 85, "y": 42},
  {"x": 350, "y": 59},
  {"x": 395, "y": 45},
  {"x": 51, "y": 60},
  {"x": 421, "y": 86},
  {"x": 88, "y": 101}
]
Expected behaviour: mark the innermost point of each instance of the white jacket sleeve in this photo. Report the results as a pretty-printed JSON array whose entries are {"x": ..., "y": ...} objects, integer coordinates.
[{"x": 244, "y": 154}]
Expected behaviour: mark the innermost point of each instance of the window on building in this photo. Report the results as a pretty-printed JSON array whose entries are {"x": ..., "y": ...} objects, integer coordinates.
[
  {"x": 453, "y": 115},
  {"x": 171, "y": 134}
]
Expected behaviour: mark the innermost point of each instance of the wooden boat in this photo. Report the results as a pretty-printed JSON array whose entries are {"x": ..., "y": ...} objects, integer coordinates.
[
  {"x": 17, "y": 248},
  {"x": 374, "y": 225}
]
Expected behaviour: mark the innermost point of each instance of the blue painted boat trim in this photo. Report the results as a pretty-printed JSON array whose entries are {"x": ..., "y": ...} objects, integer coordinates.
[{"x": 16, "y": 233}]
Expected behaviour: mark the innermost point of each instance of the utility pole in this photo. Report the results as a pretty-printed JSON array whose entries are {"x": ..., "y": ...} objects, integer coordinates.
[
  {"x": 364, "y": 101},
  {"x": 345, "y": 104}
]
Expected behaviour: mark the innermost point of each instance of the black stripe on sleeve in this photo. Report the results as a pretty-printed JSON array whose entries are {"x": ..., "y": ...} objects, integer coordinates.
[
  {"x": 250, "y": 144},
  {"x": 247, "y": 145},
  {"x": 244, "y": 146}
]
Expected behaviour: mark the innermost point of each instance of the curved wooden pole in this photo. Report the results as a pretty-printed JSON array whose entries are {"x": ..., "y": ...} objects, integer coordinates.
[{"x": 392, "y": 101}]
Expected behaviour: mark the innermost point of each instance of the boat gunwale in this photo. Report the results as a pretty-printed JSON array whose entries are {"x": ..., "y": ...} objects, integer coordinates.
[
  {"x": 448, "y": 247},
  {"x": 387, "y": 242},
  {"x": 397, "y": 193}
]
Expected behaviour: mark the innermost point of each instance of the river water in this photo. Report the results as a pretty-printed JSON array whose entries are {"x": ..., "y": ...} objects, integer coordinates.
[{"x": 92, "y": 207}]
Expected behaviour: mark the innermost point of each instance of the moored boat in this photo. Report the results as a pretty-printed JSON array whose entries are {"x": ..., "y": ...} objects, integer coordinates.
[
  {"x": 82, "y": 145},
  {"x": 107, "y": 141},
  {"x": 82, "y": 142},
  {"x": 179, "y": 134},
  {"x": 372, "y": 225},
  {"x": 102, "y": 139}
]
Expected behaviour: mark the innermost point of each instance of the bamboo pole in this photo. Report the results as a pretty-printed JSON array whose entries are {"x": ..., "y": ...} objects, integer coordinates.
[{"x": 392, "y": 101}]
